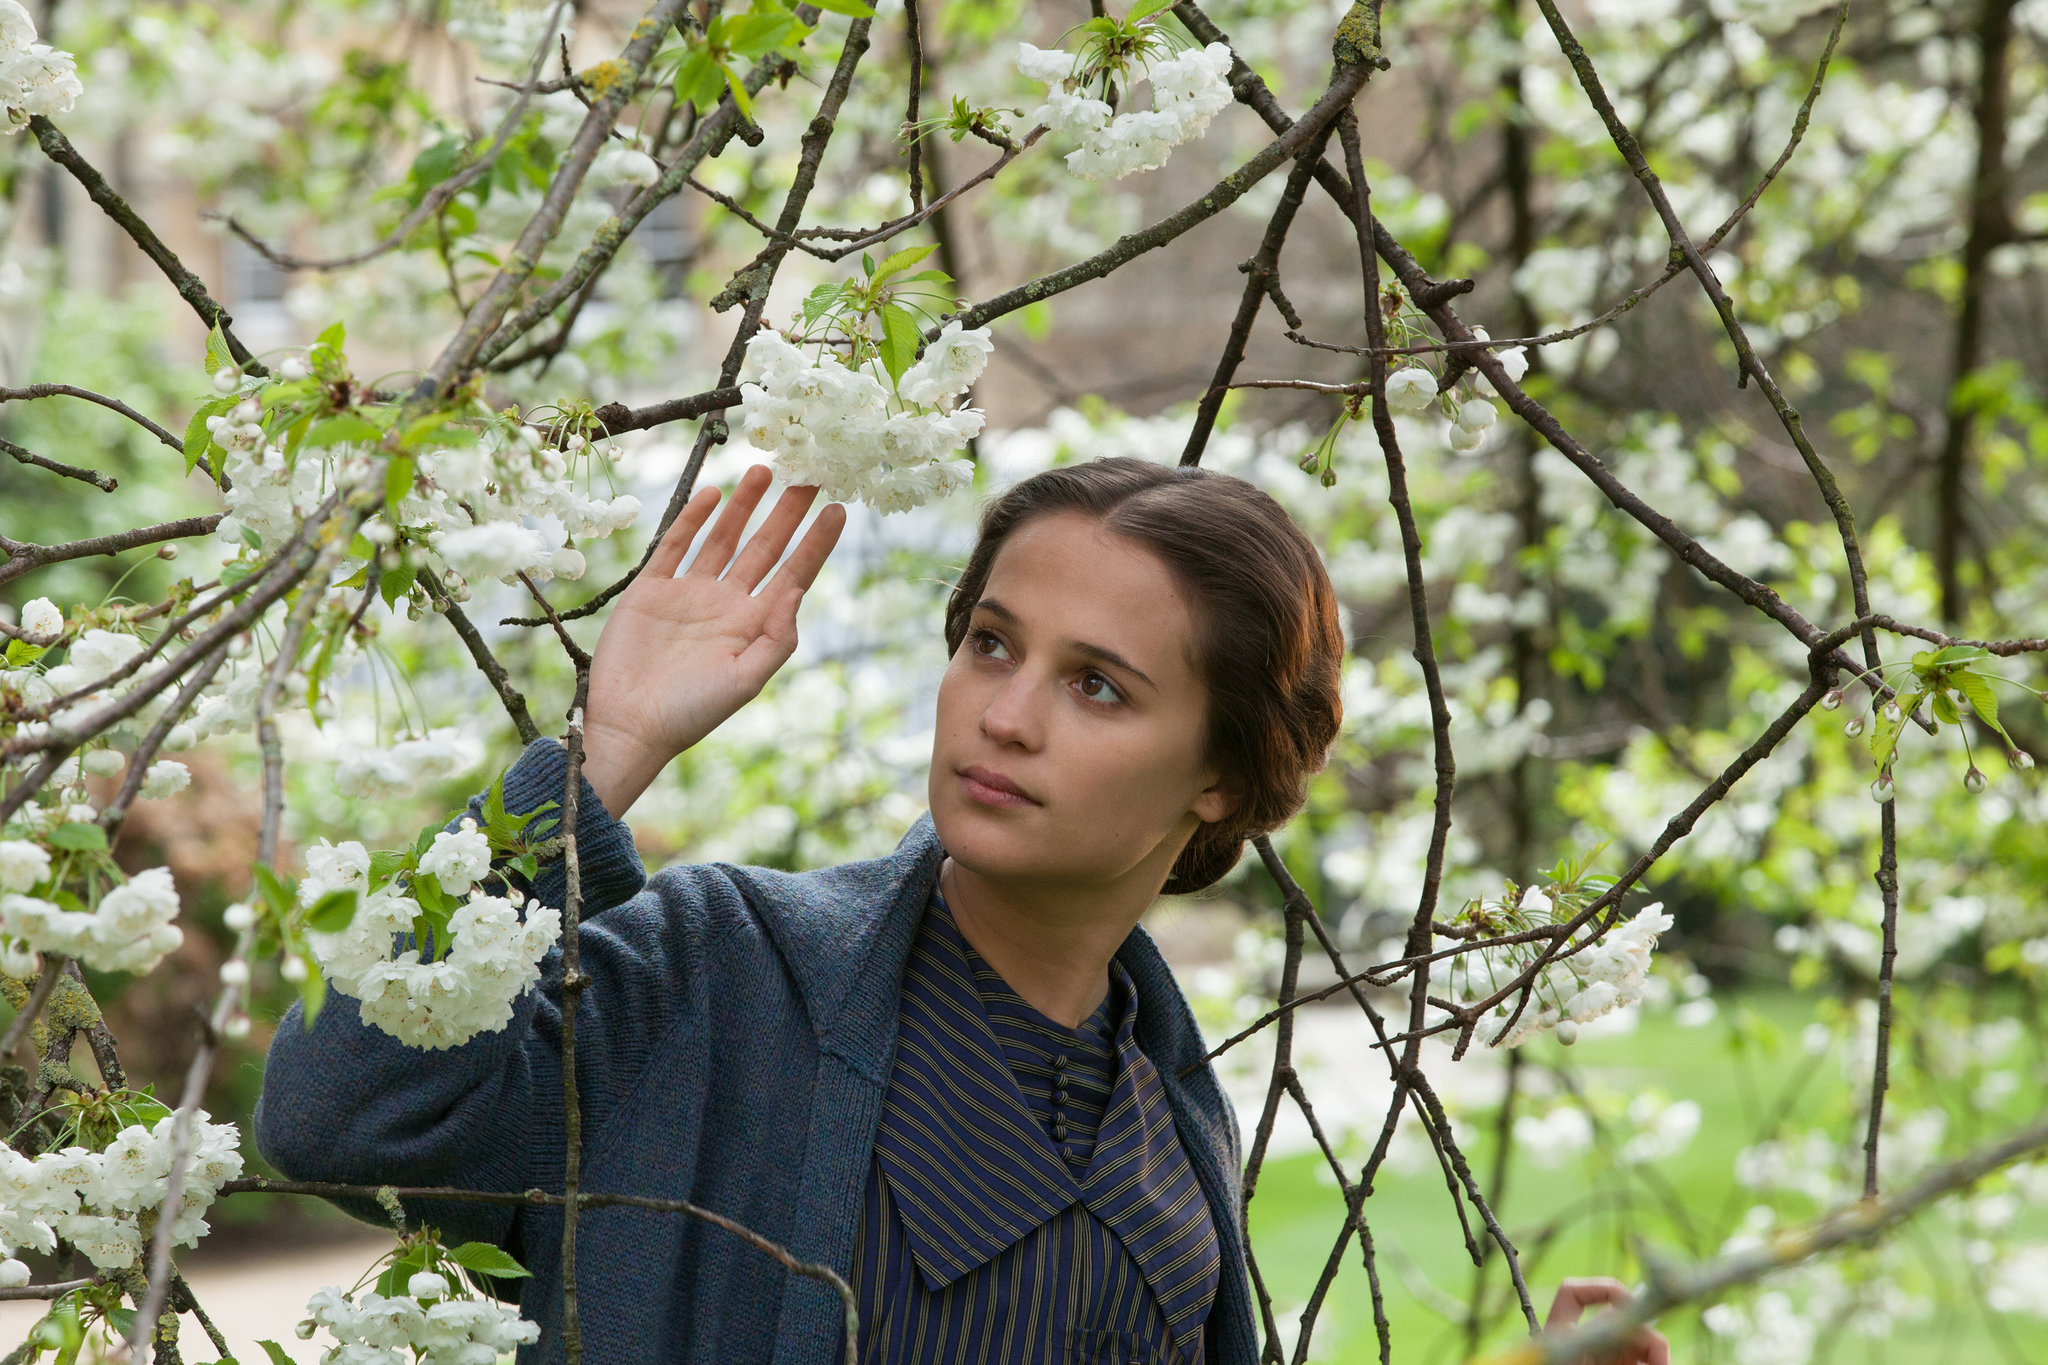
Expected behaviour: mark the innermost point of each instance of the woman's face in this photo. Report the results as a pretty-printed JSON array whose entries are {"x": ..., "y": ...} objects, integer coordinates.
[{"x": 1071, "y": 721}]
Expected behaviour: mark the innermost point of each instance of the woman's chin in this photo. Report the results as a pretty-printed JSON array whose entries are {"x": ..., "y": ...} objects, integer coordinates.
[{"x": 994, "y": 842}]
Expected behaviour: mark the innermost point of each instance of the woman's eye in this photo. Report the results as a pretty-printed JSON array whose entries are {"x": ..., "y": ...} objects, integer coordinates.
[
  {"x": 986, "y": 642},
  {"x": 1095, "y": 687}
]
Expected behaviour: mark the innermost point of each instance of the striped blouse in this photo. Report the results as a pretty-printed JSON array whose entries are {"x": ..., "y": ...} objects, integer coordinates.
[{"x": 1029, "y": 1202}]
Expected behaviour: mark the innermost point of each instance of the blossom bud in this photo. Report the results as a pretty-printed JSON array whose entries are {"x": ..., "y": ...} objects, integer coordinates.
[
  {"x": 240, "y": 917},
  {"x": 293, "y": 968},
  {"x": 17, "y": 960},
  {"x": 1475, "y": 414},
  {"x": 427, "y": 1285},
  {"x": 293, "y": 368},
  {"x": 105, "y": 762},
  {"x": 2019, "y": 758},
  {"x": 227, "y": 380},
  {"x": 1329, "y": 478},
  {"x": 306, "y": 1328},
  {"x": 237, "y": 1027},
  {"x": 1310, "y": 462},
  {"x": 181, "y": 738},
  {"x": 567, "y": 562},
  {"x": 166, "y": 552},
  {"x": 1974, "y": 780},
  {"x": 247, "y": 411},
  {"x": 1466, "y": 438},
  {"x": 234, "y": 972},
  {"x": 13, "y": 1273},
  {"x": 1892, "y": 712},
  {"x": 1567, "y": 1032},
  {"x": 1832, "y": 701},
  {"x": 1855, "y": 726},
  {"x": 1410, "y": 389},
  {"x": 1881, "y": 790}
]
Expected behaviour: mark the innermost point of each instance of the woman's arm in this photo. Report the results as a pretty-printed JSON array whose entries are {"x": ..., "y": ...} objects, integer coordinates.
[
  {"x": 344, "y": 1101},
  {"x": 681, "y": 653}
]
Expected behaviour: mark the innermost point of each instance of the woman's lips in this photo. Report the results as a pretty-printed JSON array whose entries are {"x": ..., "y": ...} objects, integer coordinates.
[{"x": 991, "y": 788}]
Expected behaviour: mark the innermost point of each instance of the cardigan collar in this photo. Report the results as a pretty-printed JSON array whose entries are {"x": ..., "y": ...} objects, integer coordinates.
[
  {"x": 848, "y": 968},
  {"x": 973, "y": 1173}
]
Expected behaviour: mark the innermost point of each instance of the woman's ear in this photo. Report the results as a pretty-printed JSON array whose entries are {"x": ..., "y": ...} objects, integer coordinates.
[{"x": 1217, "y": 801}]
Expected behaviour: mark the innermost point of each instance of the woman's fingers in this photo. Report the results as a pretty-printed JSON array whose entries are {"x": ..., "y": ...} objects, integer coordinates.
[
  {"x": 1646, "y": 1345},
  {"x": 1575, "y": 1296},
  {"x": 675, "y": 542},
  {"x": 725, "y": 532},
  {"x": 766, "y": 545},
  {"x": 801, "y": 568}
]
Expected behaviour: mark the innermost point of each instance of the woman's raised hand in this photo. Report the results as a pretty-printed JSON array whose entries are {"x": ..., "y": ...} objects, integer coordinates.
[{"x": 681, "y": 652}]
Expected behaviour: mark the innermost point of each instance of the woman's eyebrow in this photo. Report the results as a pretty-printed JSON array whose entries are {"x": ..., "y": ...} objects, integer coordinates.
[{"x": 1106, "y": 655}]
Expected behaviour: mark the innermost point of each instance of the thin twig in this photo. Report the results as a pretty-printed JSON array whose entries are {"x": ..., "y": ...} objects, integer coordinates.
[
  {"x": 105, "y": 483},
  {"x": 59, "y": 149},
  {"x": 438, "y": 197},
  {"x": 30, "y": 391}
]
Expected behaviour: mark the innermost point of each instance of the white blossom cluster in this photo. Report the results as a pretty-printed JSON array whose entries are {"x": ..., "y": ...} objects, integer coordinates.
[
  {"x": 1188, "y": 90},
  {"x": 829, "y": 426},
  {"x": 35, "y": 78},
  {"x": 130, "y": 929},
  {"x": 368, "y": 771},
  {"x": 1605, "y": 977},
  {"x": 489, "y": 960},
  {"x": 469, "y": 506},
  {"x": 93, "y": 1200},
  {"x": 379, "y": 1329}
]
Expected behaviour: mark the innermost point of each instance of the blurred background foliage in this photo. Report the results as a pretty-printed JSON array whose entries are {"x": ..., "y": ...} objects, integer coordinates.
[{"x": 1891, "y": 275}]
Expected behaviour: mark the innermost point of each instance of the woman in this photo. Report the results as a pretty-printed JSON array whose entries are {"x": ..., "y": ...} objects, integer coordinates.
[{"x": 960, "y": 1075}]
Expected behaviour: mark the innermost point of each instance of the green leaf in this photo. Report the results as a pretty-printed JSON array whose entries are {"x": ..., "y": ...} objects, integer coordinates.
[
  {"x": 312, "y": 990},
  {"x": 385, "y": 864},
  {"x": 821, "y": 301},
  {"x": 345, "y": 426},
  {"x": 79, "y": 838},
  {"x": 867, "y": 265},
  {"x": 20, "y": 653},
  {"x": 761, "y": 30},
  {"x": 396, "y": 583},
  {"x": 739, "y": 91},
  {"x": 486, "y": 1259},
  {"x": 699, "y": 79},
  {"x": 278, "y": 893},
  {"x": 397, "y": 483},
  {"x": 1977, "y": 689},
  {"x": 1145, "y": 9},
  {"x": 903, "y": 260},
  {"x": 197, "y": 437},
  {"x": 333, "y": 337},
  {"x": 852, "y": 9},
  {"x": 392, "y": 1282},
  {"x": 236, "y": 572},
  {"x": 1944, "y": 708},
  {"x": 332, "y": 912},
  {"x": 218, "y": 356},
  {"x": 276, "y": 1353},
  {"x": 900, "y": 338}
]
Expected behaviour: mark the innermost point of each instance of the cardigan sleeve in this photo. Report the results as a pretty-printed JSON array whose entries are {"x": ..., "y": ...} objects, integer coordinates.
[{"x": 345, "y": 1102}]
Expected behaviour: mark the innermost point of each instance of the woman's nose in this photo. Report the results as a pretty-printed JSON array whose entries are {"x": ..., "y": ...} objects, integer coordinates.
[{"x": 1012, "y": 714}]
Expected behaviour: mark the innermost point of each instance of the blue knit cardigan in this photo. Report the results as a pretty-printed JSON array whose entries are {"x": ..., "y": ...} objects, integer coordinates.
[{"x": 733, "y": 1050}]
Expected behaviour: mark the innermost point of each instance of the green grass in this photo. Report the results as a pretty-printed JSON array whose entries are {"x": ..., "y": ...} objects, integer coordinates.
[{"x": 1579, "y": 1217}]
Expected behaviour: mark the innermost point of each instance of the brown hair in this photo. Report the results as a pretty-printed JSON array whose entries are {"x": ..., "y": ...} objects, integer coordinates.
[{"x": 1268, "y": 646}]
